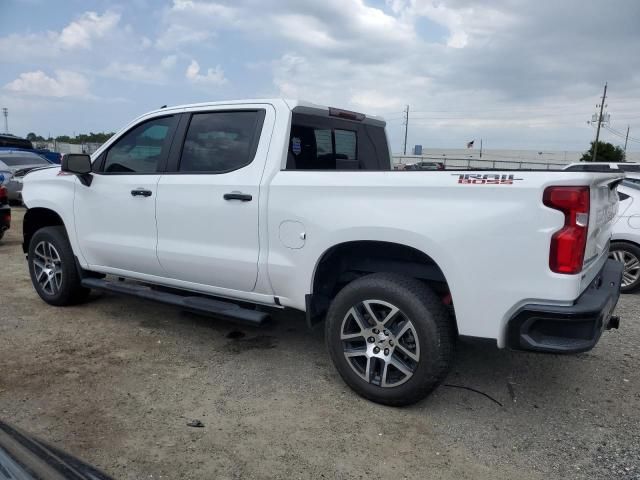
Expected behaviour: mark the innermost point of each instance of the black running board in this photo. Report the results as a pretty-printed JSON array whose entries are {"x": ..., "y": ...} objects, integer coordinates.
[{"x": 208, "y": 306}]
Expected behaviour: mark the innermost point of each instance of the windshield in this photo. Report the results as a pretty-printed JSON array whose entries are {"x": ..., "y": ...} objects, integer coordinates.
[{"x": 23, "y": 160}]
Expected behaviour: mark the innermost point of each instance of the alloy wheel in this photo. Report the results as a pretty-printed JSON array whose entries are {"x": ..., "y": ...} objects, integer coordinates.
[
  {"x": 47, "y": 266},
  {"x": 631, "y": 266},
  {"x": 380, "y": 343}
]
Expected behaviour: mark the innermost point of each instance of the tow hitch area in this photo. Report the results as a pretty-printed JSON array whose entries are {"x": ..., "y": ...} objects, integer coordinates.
[
  {"x": 614, "y": 322},
  {"x": 570, "y": 329}
]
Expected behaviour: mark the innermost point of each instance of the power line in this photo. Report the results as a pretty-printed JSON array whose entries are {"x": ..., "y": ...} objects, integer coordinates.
[
  {"x": 626, "y": 140},
  {"x": 406, "y": 128},
  {"x": 595, "y": 145},
  {"x": 621, "y": 135}
]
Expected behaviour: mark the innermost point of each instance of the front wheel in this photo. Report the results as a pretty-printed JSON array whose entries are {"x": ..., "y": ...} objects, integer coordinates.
[
  {"x": 53, "y": 269},
  {"x": 390, "y": 338},
  {"x": 629, "y": 255}
]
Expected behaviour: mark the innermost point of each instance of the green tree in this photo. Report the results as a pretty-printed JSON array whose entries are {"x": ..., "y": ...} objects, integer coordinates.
[
  {"x": 31, "y": 137},
  {"x": 607, "y": 152}
]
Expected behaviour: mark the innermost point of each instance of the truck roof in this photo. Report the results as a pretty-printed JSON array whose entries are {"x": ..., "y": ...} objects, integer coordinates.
[{"x": 291, "y": 104}]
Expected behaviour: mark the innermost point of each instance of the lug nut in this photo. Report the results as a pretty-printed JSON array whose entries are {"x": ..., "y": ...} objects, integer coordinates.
[
  {"x": 391, "y": 343},
  {"x": 376, "y": 331},
  {"x": 386, "y": 332},
  {"x": 386, "y": 351},
  {"x": 376, "y": 350},
  {"x": 371, "y": 339}
]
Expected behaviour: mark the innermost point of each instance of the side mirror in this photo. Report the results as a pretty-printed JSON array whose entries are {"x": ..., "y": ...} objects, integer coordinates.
[{"x": 77, "y": 163}]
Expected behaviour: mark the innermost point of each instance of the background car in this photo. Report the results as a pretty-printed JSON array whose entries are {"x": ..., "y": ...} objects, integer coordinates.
[
  {"x": 603, "y": 167},
  {"x": 424, "y": 166},
  {"x": 14, "y": 165},
  {"x": 625, "y": 240},
  {"x": 11, "y": 142}
]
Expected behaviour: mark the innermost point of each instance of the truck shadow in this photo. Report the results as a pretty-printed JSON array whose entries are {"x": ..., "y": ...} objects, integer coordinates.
[{"x": 480, "y": 373}]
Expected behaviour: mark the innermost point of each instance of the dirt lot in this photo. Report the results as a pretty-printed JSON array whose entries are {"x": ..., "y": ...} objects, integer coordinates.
[{"x": 116, "y": 380}]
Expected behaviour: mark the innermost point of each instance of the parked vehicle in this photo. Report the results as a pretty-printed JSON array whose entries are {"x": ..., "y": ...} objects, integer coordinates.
[
  {"x": 285, "y": 204},
  {"x": 424, "y": 166},
  {"x": 5, "y": 211},
  {"x": 14, "y": 165},
  {"x": 11, "y": 142},
  {"x": 25, "y": 457},
  {"x": 625, "y": 242},
  {"x": 603, "y": 166}
]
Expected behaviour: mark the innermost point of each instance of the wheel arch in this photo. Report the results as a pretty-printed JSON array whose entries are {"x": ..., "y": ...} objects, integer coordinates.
[
  {"x": 35, "y": 219},
  {"x": 344, "y": 262},
  {"x": 617, "y": 240}
]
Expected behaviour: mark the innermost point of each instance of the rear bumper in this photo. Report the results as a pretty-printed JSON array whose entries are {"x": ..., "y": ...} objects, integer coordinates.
[{"x": 577, "y": 328}]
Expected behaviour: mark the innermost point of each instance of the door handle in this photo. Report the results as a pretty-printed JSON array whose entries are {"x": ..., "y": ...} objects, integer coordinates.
[
  {"x": 140, "y": 192},
  {"x": 243, "y": 197}
]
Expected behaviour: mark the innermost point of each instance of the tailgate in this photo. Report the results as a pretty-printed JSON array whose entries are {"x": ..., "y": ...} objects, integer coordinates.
[{"x": 603, "y": 210}]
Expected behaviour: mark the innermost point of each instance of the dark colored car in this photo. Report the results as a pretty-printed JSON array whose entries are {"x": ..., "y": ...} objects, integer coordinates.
[
  {"x": 23, "y": 457},
  {"x": 11, "y": 142},
  {"x": 5, "y": 211},
  {"x": 425, "y": 166}
]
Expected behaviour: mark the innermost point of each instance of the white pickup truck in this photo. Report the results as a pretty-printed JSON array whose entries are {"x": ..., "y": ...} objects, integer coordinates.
[{"x": 238, "y": 208}]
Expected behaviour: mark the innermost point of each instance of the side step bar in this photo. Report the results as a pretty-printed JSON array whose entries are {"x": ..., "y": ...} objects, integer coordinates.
[{"x": 227, "y": 310}]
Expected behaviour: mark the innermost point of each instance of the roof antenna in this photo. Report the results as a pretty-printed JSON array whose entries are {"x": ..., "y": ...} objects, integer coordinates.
[{"x": 163, "y": 106}]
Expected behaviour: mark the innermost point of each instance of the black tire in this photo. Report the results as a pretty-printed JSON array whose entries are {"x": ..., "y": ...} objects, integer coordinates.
[
  {"x": 434, "y": 330},
  {"x": 69, "y": 292},
  {"x": 629, "y": 250}
]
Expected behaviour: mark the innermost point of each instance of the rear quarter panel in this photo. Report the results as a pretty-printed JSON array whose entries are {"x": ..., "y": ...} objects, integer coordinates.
[{"x": 490, "y": 240}]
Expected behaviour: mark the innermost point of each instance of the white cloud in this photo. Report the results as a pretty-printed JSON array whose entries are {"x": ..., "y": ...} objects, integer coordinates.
[
  {"x": 168, "y": 62},
  {"x": 213, "y": 77},
  {"x": 191, "y": 22},
  {"x": 65, "y": 83},
  {"x": 80, "y": 33},
  {"x": 133, "y": 72},
  {"x": 78, "y": 36},
  {"x": 143, "y": 73}
]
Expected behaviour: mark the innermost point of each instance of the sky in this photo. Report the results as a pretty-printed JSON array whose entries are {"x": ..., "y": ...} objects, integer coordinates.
[{"x": 519, "y": 74}]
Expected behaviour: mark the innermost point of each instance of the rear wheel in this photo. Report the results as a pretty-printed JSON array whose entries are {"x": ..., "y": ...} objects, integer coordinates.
[
  {"x": 629, "y": 255},
  {"x": 53, "y": 269},
  {"x": 390, "y": 338}
]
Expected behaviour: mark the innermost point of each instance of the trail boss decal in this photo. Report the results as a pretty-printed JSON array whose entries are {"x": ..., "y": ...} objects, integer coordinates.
[{"x": 486, "y": 179}]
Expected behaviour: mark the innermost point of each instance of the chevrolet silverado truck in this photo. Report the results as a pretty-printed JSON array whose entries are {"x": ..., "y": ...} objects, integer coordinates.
[{"x": 235, "y": 209}]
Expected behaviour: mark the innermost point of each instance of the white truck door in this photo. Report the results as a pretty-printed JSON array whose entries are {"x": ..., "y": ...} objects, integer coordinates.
[
  {"x": 208, "y": 200},
  {"x": 115, "y": 215}
]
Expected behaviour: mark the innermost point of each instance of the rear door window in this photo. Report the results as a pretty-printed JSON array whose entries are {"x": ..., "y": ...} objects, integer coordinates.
[{"x": 219, "y": 142}]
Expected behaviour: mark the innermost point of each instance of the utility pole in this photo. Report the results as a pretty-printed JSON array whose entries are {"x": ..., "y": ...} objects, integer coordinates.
[
  {"x": 595, "y": 145},
  {"x": 626, "y": 139},
  {"x": 480, "y": 148},
  {"x": 406, "y": 128},
  {"x": 5, "y": 112}
]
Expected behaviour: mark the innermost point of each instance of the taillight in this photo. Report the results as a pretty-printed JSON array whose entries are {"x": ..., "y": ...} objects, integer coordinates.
[
  {"x": 3, "y": 196},
  {"x": 568, "y": 244}
]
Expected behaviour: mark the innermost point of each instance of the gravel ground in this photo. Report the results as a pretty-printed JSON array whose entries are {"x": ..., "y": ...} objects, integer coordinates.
[{"x": 116, "y": 380}]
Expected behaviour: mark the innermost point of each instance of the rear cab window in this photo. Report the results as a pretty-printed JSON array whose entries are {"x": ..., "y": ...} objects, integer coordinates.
[{"x": 325, "y": 142}]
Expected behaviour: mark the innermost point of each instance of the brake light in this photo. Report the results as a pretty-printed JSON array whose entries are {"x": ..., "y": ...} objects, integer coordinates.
[
  {"x": 568, "y": 244},
  {"x": 4, "y": 198},
  {"x": 338, "y": 112}
]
